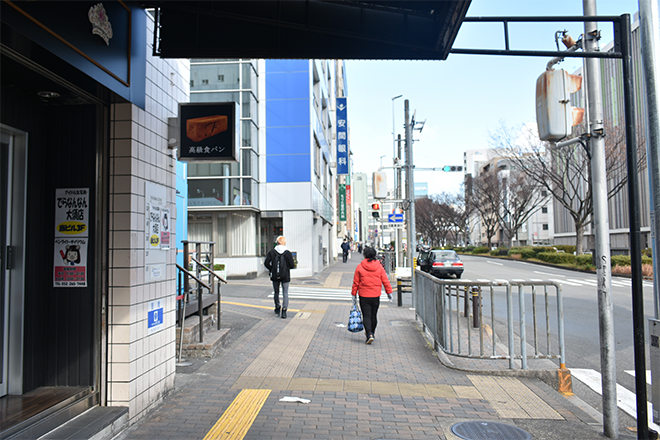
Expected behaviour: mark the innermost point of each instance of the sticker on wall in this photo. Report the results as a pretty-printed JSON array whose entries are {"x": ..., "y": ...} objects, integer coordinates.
[
  {"x": 165, "y": 228},
  {"x": 70, "y": 262},
  {"x": 72, "y": 212},
  {"x": 155, "y": 319}
]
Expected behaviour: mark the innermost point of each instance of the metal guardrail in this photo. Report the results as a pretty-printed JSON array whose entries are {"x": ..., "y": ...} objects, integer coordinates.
[{"x": 468, "y": 331}]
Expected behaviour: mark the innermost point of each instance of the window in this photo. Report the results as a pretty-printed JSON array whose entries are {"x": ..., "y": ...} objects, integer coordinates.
[
  {"x": 544, "y": 210},
  {"x": 205, "y": 81},
  {"x": 192, "y": 83},
  {"x": 243, "y": 233},
  {"x": 544, "y": 194},
  {"x": 545, "y": 226},
  {"x": 221, "y": 78}
]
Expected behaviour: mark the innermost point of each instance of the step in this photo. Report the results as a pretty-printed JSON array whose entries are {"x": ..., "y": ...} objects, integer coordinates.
[
  {"x": 213, "y": 341},
  {"x": 97, "y": 423}
]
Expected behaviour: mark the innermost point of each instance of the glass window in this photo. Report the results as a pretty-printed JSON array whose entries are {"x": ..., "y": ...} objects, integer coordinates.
[
  {"x": 243, "y": 233},
  {"x": 249, "y": 76},
  {"x": 214, "y": 97},
  {"x": 221, "y": 234},
  {"x": 545, "y": 226},
  {"x": 212, "y": 192},
  {"x": 249, "y": 163},
  {"x": 250, "y": 134},
  {"x": 249, "y": 106},
  {"x": 250, "y": 192},
  {"x": 212, "y": 169},
  {"x": 200, "y": 231},
  {"x": 544, "y": 210},
  {"x": 200, "y": 74}
]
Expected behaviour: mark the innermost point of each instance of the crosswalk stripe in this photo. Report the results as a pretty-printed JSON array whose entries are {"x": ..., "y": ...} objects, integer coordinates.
[
  {"x": 626, "y": 400},
  {"x": 648, "y": 375}
]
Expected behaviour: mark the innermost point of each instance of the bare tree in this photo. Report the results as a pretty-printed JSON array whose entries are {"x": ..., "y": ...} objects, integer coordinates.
[
  {"x": 486, "y": 200},
  {"x": 565, "y": 173},
  {"x": 434, "y": 218},
  {"x": 463, "y": 211},
  {"x": 520, "y": 197}
]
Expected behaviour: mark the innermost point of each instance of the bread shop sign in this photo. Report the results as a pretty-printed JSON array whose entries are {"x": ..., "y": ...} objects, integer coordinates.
[{"x": 209, "y": 132}]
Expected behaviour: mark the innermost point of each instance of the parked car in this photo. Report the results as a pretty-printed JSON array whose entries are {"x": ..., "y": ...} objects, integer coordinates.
[{"x": 440, "y": 263}]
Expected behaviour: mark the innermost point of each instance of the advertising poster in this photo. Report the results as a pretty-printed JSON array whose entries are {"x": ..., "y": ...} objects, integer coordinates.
[
  {"x": 70, "y": 262},
  {"x": 165, "y": 229},
  {"x": 209, "y": 132},
  {"x": 71, "y": 237}
]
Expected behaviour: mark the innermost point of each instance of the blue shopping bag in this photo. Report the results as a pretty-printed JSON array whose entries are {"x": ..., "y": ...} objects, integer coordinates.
[{"x": 355, "y": 320}]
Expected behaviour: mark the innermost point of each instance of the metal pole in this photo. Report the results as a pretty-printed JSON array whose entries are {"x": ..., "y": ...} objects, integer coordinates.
[
  {"x": 650, "y": 45},
  {"x": 635, "y": 235},
  {"x": 411, "y": 198},
  {"x": 602, "y": 227},
  {"x": 399, "y": 241}
]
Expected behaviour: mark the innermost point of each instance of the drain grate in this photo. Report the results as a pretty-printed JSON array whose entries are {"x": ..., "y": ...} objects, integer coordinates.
[{"x": 478, "y": 430}]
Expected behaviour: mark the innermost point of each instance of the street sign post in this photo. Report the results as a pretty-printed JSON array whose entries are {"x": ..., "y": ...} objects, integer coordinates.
[{"x": 395, "y": 218}]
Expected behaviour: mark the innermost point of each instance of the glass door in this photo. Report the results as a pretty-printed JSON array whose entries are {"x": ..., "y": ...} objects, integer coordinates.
[{"x": 13, "y": 153}]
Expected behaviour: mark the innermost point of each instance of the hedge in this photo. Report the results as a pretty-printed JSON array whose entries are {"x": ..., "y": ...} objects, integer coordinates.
[
  {"x": 556, "y": 257},
  {"x": 585, "y": 260},
  {"x": 624, "y": 260},
  {"x": 480, "y": 250},
  {"x": 568, "y": 248}
]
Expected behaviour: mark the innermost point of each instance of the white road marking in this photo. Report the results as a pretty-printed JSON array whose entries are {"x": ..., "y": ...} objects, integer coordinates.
[
  {"x": 492, "y": 262},
  {"x": 566, "y": 282},
  {"x": 626, "y": 400},
  {"x": 648, "y": 375},
  {"x": 584, "y": 282},
  {"x": 551, "y": 274},
  {"x": 322, "y": 293}
]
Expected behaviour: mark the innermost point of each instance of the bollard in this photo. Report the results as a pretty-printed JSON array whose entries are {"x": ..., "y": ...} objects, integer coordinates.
[
  {"x": 475, "y": 306},
  {"x": 399, "y": 301},
  {"x": 466, "y": 307}
]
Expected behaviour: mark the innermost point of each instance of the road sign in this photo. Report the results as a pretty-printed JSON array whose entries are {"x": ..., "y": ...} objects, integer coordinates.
[{"x": 395, "y": 218}]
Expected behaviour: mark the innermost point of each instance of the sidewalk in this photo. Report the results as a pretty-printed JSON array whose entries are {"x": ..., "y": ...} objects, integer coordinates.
[{"x": 395, "y": 388}]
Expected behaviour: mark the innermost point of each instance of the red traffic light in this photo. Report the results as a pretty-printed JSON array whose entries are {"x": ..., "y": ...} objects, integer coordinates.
[{"x": 375, "y": 206}]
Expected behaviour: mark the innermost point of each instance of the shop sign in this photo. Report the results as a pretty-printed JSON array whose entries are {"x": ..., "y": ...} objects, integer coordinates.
[
  {"x": 155, "y": 316},
  {"x": 342, "y": 137},
  {"x": 342, "y": 202},
  {"x": 208, "y": 132}
]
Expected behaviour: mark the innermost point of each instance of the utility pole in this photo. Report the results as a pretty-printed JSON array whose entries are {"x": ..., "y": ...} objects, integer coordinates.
[
  {"x": 601, "y": 225},
  {"x": 650, "y": 44},
  {"x": 399, "y": 243},
  {"x": 410, "y": 172}
]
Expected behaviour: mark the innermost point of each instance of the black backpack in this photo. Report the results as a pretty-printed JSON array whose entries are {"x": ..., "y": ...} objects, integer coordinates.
[{"x": 279, "y": 266}]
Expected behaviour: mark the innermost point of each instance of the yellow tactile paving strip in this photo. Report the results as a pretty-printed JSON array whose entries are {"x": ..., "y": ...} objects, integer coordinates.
[
  {"x": 358, "y": 386},
  {"x": 239, "y": 416},
  {"x": 512, "y": 399},
  {"x": 281, "y": 357},
  {"x": 333, "y": 280}
]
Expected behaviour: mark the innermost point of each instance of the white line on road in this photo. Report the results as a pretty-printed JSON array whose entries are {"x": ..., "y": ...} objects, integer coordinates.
[
  {"x": 648, "y": 375},
  {"x": 551, "y": 274},
  {"x": 584, "y": 282},
  {"x": 567, "y": 282},
  {"x": 492, "y": 262},
  {"x": 626, "y": 400}
]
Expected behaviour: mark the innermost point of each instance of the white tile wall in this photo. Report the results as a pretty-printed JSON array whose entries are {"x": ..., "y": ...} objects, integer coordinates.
[{"x": 141, "y": 366}]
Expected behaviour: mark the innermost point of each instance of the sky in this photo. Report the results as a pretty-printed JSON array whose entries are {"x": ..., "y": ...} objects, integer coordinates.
[{"x": 464, "y": 98}]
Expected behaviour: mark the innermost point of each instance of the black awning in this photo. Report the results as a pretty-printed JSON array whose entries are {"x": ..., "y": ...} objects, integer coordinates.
[{"x": 308, "y": 29}]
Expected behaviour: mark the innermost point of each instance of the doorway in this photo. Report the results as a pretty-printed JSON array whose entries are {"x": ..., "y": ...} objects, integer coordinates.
[{"x": 12, "y": 202}]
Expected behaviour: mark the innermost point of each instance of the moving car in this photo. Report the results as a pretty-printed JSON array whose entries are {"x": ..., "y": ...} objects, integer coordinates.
[{"x": 440, "y": 263}]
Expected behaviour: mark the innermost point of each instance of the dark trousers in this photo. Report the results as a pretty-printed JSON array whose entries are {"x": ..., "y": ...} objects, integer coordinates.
[
  {"x": 369, "y": 307},
  {"x": 345, "y": 256}
]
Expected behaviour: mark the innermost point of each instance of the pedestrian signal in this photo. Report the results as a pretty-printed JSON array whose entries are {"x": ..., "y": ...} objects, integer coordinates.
[{"x": 554, "y": 114}]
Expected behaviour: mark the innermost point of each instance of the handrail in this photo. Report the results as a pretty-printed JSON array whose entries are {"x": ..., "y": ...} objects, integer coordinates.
[
  {"x": 208, "y": 269},
  {"x": 190, "y": 274}
]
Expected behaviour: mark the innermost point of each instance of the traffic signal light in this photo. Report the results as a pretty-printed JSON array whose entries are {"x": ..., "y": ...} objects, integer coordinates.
[
  {"x": 376, "y": 208},
  {"x": 450, "y": 168},
  {"x": 554, "y": 114}
]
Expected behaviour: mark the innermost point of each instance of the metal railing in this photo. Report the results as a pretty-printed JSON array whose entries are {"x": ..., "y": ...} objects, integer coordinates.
[{"x": 488, "y": 312}]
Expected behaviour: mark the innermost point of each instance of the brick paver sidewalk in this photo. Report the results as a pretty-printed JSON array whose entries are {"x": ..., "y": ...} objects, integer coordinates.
[{"x": 393, "y": 389}]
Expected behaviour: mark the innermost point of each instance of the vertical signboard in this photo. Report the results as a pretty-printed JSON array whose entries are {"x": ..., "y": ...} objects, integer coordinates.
[
  {"x": 342, "y": 202},
  {"x": 71, "y": 237},
  {"x": 155, "y": 316},
  {"x": 342, "y": 137}
]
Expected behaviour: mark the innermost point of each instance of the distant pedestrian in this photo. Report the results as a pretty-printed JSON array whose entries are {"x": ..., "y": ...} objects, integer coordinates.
[
  {"x": 367, "y": 281},
  {"x": 359, "y": 248},
  {"x": 345, "y": 247},
  {"x": 279, "y": 263}
]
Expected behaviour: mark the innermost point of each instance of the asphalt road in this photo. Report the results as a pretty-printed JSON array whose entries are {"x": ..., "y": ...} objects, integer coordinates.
[{"x": 582, "y": 338}]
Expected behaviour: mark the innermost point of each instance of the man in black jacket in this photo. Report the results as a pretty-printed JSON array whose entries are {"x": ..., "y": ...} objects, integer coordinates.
[
  {"x": 279, "y": 263},
  {"x": 345, "y": 247}
]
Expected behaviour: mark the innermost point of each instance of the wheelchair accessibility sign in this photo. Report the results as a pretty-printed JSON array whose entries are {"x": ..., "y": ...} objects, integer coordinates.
[{"x": 155, "y": 316}]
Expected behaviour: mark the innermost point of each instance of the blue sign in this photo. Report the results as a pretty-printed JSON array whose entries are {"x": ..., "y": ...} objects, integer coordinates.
[
  {"x": 342, "y": 137},
  {"x": 395, "y": 218},
  {"x": 155, "y": 317}
]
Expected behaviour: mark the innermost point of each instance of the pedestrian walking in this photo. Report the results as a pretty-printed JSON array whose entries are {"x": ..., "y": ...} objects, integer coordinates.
[
  {"x": 345, "y": 247},
  {"x": 279, "y": 263},
  {"x": 367, "y": 281}
]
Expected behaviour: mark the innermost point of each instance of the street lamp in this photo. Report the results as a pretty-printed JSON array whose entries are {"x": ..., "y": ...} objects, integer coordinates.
[
  {"x": 381, "y": 161},
  {"x": 393, "y": 129}
]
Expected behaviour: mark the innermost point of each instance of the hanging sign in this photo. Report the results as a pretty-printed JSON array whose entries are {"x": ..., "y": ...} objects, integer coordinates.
[
  {"x": 342, "y": 202},
  {"x": 71, "y": 237},
  {"x": 209, "y": 132},
  {"x": 342, "y": 137}
]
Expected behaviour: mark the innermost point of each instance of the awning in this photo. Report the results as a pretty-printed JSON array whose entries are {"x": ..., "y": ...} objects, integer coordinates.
[{"x": 307, "y": 29}]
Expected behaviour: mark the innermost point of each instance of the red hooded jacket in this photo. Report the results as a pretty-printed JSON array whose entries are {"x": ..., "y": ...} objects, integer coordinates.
[{"x": 368, "y": 278}]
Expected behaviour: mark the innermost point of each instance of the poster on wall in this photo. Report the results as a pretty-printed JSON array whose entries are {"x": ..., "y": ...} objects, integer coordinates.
[
  {"x": 71, "y": 237},
  {"x": 155, "y": 253},
  {"x": 70, "y": 262}
]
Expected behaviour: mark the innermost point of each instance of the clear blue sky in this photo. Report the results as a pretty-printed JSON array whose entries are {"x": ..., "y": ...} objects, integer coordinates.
[{"x": 464, "y": 98}]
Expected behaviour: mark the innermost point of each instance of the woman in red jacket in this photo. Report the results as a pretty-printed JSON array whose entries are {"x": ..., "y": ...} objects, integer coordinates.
[{"x": 367, "y": 281}]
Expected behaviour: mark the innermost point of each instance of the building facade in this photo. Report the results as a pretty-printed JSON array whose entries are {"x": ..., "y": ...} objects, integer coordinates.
[
  {"x": 89, "y": 210},
  {"x": 284, "y": 182}
]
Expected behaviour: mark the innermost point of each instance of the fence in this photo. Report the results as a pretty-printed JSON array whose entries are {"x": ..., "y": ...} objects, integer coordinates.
[{"x": 488, "y": 312}]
